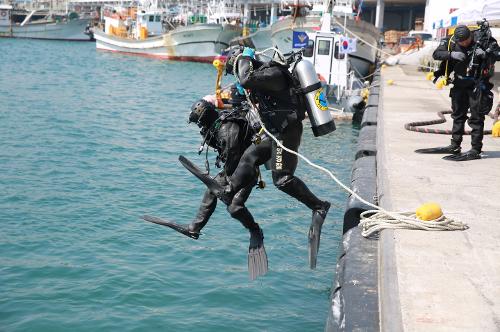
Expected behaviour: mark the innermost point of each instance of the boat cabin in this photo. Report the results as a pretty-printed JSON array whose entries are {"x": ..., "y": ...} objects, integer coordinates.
[
  {"x": 331, "y": 65},
  {"x": 132, "y": 22},
  {"x": 5, "y": 12},
  {"x": 151, "y": 21}
]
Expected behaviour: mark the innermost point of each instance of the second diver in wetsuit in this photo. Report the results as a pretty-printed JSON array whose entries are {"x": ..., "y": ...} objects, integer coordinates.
[{"x": 228, "y": 132}]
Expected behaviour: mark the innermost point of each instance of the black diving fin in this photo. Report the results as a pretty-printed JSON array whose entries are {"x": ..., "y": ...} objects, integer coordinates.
[
  {"x": 450, "y": 149},
  {"x": 257, "y": 256},
  {"x": 469, "y": 155},
  {"x": 212, "y": 185},
  {"x": 183, "y": 229},
  {"x": 314, "y": 234}
]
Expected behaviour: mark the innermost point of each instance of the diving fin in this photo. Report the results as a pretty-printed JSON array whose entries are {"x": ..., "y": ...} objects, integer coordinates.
[
  {"x": 257, "y": 257},
  {"x": 450, "y": 149},
  {"x": 212, "y": 185},
  {"x": 314, "y": 234},
  {"x": 469, "y": 155},
  {"x": 183, "y": 229}
]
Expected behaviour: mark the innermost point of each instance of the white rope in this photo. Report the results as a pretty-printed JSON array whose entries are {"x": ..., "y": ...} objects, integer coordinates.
[
  {"x": 381, "y": 219},
  {"x": 373, "y": 221}
]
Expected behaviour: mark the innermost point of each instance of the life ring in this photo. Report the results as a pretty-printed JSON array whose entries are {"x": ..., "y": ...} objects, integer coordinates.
[{"x": 3, "y": 13}]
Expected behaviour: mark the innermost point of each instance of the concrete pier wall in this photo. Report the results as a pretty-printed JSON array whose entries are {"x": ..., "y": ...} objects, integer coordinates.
[{"x": 354, "y": 297}]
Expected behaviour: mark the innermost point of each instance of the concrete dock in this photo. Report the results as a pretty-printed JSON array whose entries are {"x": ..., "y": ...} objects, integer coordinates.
[{"x": 435, "y": 281}]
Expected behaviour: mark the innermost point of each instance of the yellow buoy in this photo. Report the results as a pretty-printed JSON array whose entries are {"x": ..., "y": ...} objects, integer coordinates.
[
  {"x": 429, "y": 211},
  {"x": 495, "y": 132},
  {"x": 429, "y": 76},
  {"x": 390, "y": 82}
]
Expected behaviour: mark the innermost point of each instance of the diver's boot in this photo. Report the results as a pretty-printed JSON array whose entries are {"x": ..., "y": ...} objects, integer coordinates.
[
  {"x": 314, "y": 235},
  {"x": 469, "y": 155},
  {"x": 257, "y": 257},
  {"x": 184, "y": 229},
  {"x": 450, "y": 149}
]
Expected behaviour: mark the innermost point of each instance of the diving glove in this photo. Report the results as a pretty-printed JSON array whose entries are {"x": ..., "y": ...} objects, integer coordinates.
[{"x": 248, "y": 51}]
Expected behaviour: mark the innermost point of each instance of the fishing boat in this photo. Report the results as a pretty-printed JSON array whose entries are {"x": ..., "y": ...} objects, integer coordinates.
[
  {"x": 42, "y": 24},
  {"x": 150, "y": 32}
]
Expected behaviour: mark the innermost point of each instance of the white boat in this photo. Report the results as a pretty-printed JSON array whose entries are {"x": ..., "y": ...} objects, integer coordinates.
[
  {"x": 42, "y": 25},
  {"x": 143, "y": 32},
  {"x": 342, "y": 21}
]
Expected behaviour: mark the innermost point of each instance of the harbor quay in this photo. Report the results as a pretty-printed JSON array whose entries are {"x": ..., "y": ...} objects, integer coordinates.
[{"x": 442, "y": 280}]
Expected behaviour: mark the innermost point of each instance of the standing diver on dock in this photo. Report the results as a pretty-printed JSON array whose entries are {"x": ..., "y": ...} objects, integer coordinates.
[
  {"x": 270, "y": 86},
  {"x": 228, "y": 132},
  {"x": 471, "y": 56}
]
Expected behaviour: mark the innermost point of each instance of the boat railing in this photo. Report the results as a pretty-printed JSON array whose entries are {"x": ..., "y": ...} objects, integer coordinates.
[{"x": 28, "y": 17}]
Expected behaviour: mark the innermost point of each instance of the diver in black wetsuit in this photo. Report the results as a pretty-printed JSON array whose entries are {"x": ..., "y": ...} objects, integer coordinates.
[
  {"x": 270, "y": 88},
  {"x": 228, "y": 132},
  {"x": 470, "y": 56}
]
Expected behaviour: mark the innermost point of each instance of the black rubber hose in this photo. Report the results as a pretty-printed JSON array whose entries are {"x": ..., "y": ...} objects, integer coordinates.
[{"x": 414, "y": 126}]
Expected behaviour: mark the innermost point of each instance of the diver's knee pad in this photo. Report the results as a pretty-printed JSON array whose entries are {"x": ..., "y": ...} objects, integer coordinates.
[
  {"x": 283, "y": 181},
  {"x": 235, "y": 210}
]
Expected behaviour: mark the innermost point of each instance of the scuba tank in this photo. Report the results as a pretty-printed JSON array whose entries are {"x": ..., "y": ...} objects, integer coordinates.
[{"x": 316, "y": 103}]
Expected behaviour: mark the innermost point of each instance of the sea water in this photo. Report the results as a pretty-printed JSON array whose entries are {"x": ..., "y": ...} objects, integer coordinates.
[{"x": 89, "y": 143}]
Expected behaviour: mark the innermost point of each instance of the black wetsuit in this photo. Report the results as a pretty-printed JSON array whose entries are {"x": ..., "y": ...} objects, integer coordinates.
[
  {"x": 271, "y": 90},
  {"x": 470, "y": 90},
  {"x": 230, "y": 136}
]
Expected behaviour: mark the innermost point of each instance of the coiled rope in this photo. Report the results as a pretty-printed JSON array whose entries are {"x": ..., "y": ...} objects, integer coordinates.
[
  {"x": 379, "y": 218},
  {"x": 414, "y": 126}
]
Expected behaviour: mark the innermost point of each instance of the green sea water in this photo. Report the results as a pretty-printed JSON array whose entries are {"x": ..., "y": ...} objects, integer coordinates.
[{"x": 89, "y": 143}]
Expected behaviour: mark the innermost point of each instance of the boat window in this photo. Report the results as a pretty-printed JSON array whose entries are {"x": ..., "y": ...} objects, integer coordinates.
[
  {"x": 151, "y": 18},
  {"x": 337, "y": 54},
  {"x": 407, "y": 40},
  {"x": 158, "y": 18},
  {"x": 309, "y": 49},
  {"x": 323, "y": 47}
]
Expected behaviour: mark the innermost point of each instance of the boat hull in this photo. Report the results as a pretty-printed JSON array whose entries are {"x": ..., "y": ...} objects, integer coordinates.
[
  {"x": 199, "y": 42},
  {"x": 366, "y": 54},
  {"x": 71, "y": 30},
  {"x": 151, "y": 47},
  {"x": 261, "y": 39}
]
